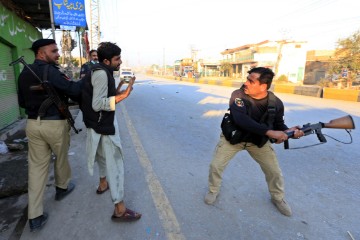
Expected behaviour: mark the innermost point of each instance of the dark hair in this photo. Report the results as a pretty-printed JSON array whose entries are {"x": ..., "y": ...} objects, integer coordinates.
[
  {"x": 266, "y": 75},
  {"x": 91, "y": 51},
  {"x": 107, "y": 50}
]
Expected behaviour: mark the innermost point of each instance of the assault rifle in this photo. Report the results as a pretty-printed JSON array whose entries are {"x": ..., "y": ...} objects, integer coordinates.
[
  {"x": 345, "y": 122},
  {"x": 53, "y": 95}
]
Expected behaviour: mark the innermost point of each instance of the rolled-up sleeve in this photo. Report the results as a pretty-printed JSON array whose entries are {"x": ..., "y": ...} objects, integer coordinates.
[{"x": 101, "y": 102}]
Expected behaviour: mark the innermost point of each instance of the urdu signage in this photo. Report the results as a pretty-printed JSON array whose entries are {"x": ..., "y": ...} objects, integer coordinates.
[{"x": 69, "y": 12}]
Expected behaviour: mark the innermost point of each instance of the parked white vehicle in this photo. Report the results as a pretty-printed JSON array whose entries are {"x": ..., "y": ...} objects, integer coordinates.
[{"x": 126, "y": 74}]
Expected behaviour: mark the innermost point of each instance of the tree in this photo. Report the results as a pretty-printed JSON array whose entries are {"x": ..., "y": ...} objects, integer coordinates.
[
  {"x": 347, "y": 58},
  {"x": 75, "y": 62},
  {"x": 226, "y": 68}
]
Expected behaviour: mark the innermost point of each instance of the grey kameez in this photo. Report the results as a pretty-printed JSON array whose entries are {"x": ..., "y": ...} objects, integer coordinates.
[{"x": 106, "y": 150}]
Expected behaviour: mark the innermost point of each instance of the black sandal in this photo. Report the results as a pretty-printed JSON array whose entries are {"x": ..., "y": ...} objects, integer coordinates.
[
  {"x": 127, "y": 216},
  {"x": 99, "y": 191}
]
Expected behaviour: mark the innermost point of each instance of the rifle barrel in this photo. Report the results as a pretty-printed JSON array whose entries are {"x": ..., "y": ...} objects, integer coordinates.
[{"x": 16, "y": 61}]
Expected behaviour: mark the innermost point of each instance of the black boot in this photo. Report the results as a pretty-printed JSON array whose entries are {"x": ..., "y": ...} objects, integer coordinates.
[
  {"x": 38, "y": 222},
  {"x": 61, "y": 193}
]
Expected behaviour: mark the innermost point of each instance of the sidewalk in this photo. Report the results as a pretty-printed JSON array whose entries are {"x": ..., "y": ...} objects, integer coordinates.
[
  {"x": 14, "y": 180},
  {"x": 83, "y": 214},
  {"x": 58, "y": 210}
]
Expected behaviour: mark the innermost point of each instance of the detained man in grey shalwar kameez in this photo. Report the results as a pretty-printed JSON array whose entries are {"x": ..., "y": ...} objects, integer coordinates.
[
  {"x": 99, "y": 97},
  {"x": 106, "y": 150}
]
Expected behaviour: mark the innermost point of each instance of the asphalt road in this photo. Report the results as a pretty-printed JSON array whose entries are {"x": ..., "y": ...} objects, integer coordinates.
[{"x": 169, "y": 130}]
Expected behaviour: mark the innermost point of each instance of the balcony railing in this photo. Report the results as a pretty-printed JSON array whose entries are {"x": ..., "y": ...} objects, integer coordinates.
[{"x": 247, "y": 58}]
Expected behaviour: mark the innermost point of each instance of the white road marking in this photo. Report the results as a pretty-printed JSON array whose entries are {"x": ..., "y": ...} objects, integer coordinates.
[{"x": 163, "y": 206}]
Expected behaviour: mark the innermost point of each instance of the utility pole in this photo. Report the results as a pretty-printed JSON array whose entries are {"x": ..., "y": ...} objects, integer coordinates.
[
  {"x": 164, "y": 64},
  {"x": 281, "y": 44},
  {"x": 94, "y": 24},
  {"x": 51, "y": 18},
  {"x": 194, "y": 59}
]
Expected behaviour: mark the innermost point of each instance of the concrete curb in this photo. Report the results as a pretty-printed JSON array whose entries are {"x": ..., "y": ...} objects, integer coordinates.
[
  {"x": 342, "y": 94},
  {"x": 312, "y": 91},
  {"x": 12, "y": 129}
]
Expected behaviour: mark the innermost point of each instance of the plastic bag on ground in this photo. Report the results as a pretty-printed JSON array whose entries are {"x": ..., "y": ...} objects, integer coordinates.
[{"x": 3, "y": 148}]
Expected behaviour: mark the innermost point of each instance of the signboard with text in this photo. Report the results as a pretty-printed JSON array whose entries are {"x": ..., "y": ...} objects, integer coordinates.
[{"x": 69, "y": 13}]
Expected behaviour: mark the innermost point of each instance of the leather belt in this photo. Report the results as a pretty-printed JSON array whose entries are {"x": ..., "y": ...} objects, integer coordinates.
[{"x": 55, "y": 117}]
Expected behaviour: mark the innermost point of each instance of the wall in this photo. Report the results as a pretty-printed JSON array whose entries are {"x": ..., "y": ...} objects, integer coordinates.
[
  {"x": 315, "y": 71},
  {"x": 16, "y": 37},
  {"x": 293, "y": 61}
]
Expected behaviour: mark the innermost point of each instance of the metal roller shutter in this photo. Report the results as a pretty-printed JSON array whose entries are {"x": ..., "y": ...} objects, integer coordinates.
[{"x": 9, "y": 106}]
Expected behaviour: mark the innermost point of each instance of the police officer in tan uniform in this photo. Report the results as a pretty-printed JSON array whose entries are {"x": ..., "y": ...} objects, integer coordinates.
[
  {"x": 48, "y": 132},
  {"x": 247, "y": 106}
]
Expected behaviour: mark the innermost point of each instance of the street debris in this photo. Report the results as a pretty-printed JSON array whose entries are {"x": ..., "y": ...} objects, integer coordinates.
[
  {"x": 15, "y": 146},
  {"x": 25, "y": 140},
  {"x": 3, "y": 148}
]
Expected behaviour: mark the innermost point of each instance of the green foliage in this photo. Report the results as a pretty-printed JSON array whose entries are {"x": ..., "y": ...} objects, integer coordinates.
[
  {"x": 75, "y": 62},
  {"x": 347, "y": 56},
  {"x": 325, "y": 83},
  {"x": 283, "y": 78},
  {"x": 226, "y": 67}
]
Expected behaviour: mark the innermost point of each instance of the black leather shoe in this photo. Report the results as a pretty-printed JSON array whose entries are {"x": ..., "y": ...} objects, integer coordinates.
[
  {"x": 38, "y": 222},
  {"x": 61, "y": 193}
]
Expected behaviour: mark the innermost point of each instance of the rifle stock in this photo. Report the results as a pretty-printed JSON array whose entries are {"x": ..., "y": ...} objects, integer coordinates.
[{"x": 345, "y": 122}]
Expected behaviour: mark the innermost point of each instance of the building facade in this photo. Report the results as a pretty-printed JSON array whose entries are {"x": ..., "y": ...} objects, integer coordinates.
[
  {"x": 283, "y": 57},
  {"x": 317, "y": 65}
]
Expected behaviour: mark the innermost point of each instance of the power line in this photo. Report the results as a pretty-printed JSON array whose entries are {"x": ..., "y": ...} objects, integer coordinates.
[{"x": 308, "y": 8}]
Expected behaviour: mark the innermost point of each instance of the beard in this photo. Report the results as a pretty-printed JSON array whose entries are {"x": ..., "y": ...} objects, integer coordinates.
[
  {"x": 116, "y": 68},
  {"x": 52, "y": 61}
]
